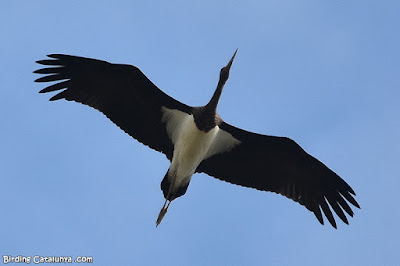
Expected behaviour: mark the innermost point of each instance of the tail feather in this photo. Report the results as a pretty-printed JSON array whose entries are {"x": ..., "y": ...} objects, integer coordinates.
[{"x": 175, "y": 192}]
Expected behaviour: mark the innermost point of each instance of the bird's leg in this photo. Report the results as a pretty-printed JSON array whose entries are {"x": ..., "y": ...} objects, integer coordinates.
[
  {"x": 164, "y": 208},
  {"x": 163, "y": 211}
]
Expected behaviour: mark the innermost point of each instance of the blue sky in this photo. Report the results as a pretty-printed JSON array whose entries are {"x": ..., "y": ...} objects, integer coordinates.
[{"x": 324, "y": 74}]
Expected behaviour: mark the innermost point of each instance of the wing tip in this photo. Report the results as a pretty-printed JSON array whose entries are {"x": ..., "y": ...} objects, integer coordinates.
[
  {"x": 41, "y": 79},
  {"x": 55, "y": 60},
  {"x": 55, "y": 56},
  {"x": 49, "y": 62},
  {"x": 318, "y": 215},
  {"x": 57, "y": 96}
]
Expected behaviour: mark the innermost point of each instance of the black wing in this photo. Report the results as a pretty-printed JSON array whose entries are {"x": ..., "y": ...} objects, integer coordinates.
[
  {"x": 280, "y": 165},
  {"x": 122, "y": 92}
]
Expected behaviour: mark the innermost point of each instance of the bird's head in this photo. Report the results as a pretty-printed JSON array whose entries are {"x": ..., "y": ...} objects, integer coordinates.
[
  {"x": 223, "y": 77},
  {"x": 224, "y": 74}
]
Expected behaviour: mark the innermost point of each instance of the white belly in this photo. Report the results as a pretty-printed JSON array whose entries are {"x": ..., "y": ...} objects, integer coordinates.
[{"x": 190, "y": 148}]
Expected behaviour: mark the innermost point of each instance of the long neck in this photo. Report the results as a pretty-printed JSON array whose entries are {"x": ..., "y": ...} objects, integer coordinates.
[
  {"x": 212, "y": 104},
  {"x": 206, "y": 117}
]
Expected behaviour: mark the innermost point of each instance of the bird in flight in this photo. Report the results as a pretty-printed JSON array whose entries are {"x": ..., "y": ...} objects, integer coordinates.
[{"x": 197, "y": 139}]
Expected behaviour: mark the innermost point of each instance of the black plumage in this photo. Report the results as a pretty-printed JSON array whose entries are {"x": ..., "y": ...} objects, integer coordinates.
[{"x": 128, "y": 98}]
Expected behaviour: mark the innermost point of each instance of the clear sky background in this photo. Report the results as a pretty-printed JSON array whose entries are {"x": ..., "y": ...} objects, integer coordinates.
[{"x": 324, "y": 73}]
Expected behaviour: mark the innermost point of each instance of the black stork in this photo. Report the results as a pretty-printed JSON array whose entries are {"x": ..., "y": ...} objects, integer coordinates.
[{"x": 196, "y": 139}]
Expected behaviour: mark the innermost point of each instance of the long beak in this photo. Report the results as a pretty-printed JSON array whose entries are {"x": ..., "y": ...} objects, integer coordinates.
[{"x": 231, "y": 61}]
